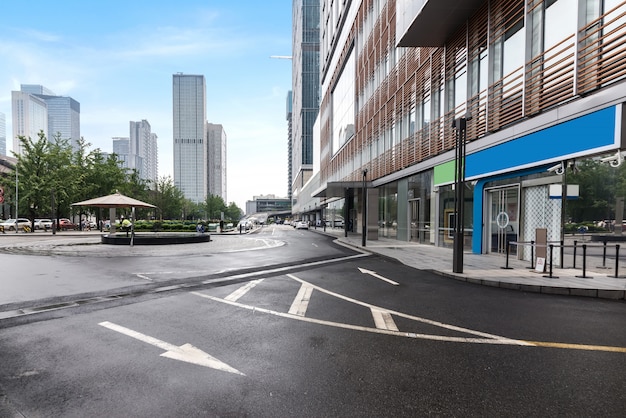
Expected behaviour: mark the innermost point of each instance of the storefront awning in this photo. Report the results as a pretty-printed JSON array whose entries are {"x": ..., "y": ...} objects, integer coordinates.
[{"x": 338, "y": 188}]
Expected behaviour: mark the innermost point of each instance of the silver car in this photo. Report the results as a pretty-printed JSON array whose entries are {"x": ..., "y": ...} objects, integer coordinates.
[{"x": 10, "y": 224}]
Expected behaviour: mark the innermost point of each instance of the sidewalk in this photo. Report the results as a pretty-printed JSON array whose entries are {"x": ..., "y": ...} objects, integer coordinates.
[{"x": 488, "y": 270}]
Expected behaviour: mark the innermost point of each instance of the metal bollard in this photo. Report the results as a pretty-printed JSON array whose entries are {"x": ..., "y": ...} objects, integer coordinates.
[
  {"x": 584, "y": 276},
  {"x": 616, "y": 261},
  {"x": 551, "y": 252},
  {"x": 506, "y": 267}
]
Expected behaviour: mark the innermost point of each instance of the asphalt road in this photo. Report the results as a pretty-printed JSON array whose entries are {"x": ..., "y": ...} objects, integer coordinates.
[{"x": 309, "y": 329}]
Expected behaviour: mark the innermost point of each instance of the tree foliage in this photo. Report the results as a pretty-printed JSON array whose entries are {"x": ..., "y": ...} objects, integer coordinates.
[{"x": 50, "y": 176}]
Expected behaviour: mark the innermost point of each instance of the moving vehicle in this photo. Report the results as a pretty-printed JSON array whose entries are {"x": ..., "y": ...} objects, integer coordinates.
[{"x": 302, "y": 225}]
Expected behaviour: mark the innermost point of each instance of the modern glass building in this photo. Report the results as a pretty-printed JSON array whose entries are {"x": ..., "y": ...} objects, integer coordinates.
[
  {"x": 189, "y": 124},
  {"x": 289, "y": 118},
  {"x": 531, "y": 91},
  {"x": 63, "y": 113},
  {"x": 3, "y": 134},
  {"x": 143, "y": 145},
  {"x": 306, "y": 90},
  {"x": 216, "y": 160},
  {"x": 30, "y": 116}
]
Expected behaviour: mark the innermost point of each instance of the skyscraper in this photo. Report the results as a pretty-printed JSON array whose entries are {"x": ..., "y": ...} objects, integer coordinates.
[
  {"x": 306, "y": 88},
  {"x": 58, "y": 115},
  {"x": 216, "y": 160},
  {"x": 3, "y": 134},
  {"x": 289, "y": 117},
  {"x": 189, "y": 131},
  {"x": 121, "y": 148},
  {"x": 30, "y": 116},
  {"x": 143, "y": 147}
]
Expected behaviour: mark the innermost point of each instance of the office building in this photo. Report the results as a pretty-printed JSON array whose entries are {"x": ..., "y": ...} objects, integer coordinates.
[
  {"x": 216, "y": 160},
  {"x": 306, "y": 91},
  {"x": 289, "y": 118},
  {"x": 3, "y": 134},
  {"x": 189, "y": 133},
  {"x": 536, "y": 89},
  {"x": 121, "y": 148},
  {"x": 63, "y": 114},
  {"x": 270, "y": 204},
  {"x": 30, "y": 117},
  {"x": 143, "y": 148}
]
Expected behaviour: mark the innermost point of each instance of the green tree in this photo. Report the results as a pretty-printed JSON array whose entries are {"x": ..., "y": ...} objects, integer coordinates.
[
  {"x": 167, "y": 198},
  {"x": 214, "y": 206},
  {"x": 30, "y": 173},
  {"x": 233, "y": 212}
]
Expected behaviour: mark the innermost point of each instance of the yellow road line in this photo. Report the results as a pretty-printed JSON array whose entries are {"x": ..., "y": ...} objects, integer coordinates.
[{"x": 578, "y": 346}]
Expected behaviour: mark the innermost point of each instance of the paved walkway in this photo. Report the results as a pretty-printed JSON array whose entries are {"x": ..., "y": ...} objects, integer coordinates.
[{"x": 487, "y": 269}]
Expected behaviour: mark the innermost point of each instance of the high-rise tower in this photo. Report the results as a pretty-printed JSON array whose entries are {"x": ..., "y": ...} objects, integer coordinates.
[
  {"x": 306, "y": 88},
  {"x": 189, "y": 124},
  {"x": 216, "y": 160},
  {"x": 62, "y": 114}
]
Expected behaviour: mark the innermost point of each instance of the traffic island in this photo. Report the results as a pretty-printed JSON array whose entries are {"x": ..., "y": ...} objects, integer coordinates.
[{"x": 155, "y": 239}]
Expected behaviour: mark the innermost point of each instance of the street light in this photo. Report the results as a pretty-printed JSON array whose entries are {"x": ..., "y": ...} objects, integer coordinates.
[
  {"x": 364, "y": 207},
  {"x": 460, "y": 125}
]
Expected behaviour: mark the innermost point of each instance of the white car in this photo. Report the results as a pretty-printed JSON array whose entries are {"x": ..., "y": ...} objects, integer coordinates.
[
  {"x": 302, "y": 225},
  {"x": 9, "y": 224},
  {"x": 43, "y": 224}
]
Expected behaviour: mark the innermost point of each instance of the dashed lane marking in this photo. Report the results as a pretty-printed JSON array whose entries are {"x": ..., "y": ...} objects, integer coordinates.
[
  {"x": 301, "y": 302},
  {"x": 242, "y": 290}
]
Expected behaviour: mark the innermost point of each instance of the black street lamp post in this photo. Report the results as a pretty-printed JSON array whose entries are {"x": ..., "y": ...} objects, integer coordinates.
[
  {"x": 364, "y": 238},
  {"x": 460, "y": 125}
]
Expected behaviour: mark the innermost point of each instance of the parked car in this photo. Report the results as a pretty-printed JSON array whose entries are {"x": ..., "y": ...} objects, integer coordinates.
[
  {"x": 10, "y": 224},
  {"x": 43, "y": 224},
  {"x": 65, "y": 224}
]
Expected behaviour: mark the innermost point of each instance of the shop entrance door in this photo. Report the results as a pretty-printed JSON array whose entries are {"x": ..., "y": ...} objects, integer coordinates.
[{"x": 503, "y": 225}]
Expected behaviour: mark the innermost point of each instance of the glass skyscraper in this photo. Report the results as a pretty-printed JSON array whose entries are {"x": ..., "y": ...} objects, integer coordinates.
[
  {"x": 306, "y": 88},
  {"x": 57, "y": 115},
  {"x": 3, "y": 134},
  {"x": 189, "y": 132},
  {"x": 216, "y": 160}
]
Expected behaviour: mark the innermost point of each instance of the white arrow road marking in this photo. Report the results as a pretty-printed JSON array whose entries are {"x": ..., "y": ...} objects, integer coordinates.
[
  {"x": 301, "y": 302},
  {"x": 378, "y": 276},
  {"x": 185, "y": 352}
]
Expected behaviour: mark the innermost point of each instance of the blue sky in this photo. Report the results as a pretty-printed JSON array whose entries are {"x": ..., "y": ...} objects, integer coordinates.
[{"x": 117, "y": 59}]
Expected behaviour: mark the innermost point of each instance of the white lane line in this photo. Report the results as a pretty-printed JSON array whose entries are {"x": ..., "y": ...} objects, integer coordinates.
[
  {"x": 383, "y": 319},
  {"x": 186, "y": 352},
  {"x": 301, "y": 302},
  {"x": 242, "y": 290},
  {"x": 499, "y": 341}
]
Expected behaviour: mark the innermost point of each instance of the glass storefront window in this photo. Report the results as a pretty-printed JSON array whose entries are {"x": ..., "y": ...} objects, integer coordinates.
[
  {"x": 447, "y": 215},
  {"x": 388, "y": 211}
]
